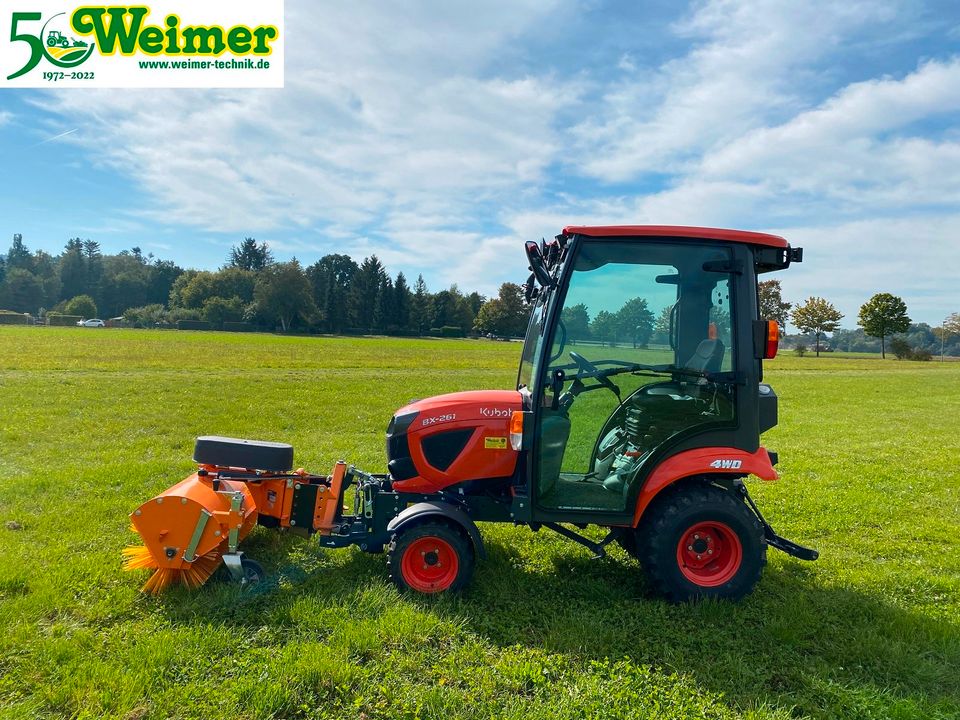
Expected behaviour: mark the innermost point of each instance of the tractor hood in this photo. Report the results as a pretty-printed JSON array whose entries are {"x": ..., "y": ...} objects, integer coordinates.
[{"x": 451, "y": 439}]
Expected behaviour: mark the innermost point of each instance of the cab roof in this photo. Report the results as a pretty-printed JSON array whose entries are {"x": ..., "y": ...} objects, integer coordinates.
[{"x": 678, "y": 231}]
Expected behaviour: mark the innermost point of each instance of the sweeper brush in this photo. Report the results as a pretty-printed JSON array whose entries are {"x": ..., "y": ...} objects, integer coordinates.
[{"x": 657, "y": 455}]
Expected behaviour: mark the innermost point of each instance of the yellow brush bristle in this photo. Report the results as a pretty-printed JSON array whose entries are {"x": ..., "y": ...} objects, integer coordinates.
[
  {"x": 137, "y": 558},
  {"x": 193, "y": 575}
]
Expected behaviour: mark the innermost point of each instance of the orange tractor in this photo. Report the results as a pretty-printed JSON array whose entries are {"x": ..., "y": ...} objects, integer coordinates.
[{"x": 638, "y": 408}]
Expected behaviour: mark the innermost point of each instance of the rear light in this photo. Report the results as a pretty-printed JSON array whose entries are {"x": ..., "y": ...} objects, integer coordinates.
[
  {"x": 773, "y": 340},
  {"x": 516, "y": 430}
]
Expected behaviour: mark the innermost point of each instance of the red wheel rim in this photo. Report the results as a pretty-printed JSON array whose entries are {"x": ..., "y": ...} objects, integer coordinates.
[
  {"x": 430, "y": 564},
  {"x": 709, "y": 554}
]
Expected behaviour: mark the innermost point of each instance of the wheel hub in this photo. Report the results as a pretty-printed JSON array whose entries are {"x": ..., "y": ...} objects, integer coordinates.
[
  {"x": 430, "y": 564},
  {"x": 709, "y": 553}
]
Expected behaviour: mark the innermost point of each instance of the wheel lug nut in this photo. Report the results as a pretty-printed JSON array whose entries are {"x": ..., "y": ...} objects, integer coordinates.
[
  {"x": 690, "y": 548},
  {"x": 696, "y": 537},
  {"x": 699, "y": 557}
]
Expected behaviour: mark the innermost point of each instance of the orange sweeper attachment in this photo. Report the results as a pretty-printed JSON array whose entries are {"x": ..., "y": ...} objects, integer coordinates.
[
  {"x": 649, "y": 435},
  {"x": 191, "y": 527}
]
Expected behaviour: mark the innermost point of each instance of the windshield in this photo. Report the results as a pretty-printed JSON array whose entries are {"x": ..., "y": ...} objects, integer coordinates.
[{"x": 532, "y": 342}]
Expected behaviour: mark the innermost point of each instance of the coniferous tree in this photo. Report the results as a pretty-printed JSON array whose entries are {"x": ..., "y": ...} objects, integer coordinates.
[
  {"x": 248, "y": 255},
  {"x": 330, "y": 278},
  {"x": 19, "y": 255},
  {"x": 420, "y": 307},
  {"x": 364, "y": 292},
  {"x": 73, "y": 269},
  {"x": 401, "y": 301}
]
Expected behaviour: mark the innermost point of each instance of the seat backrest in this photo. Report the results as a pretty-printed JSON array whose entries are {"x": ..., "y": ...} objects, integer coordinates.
[{"x": 708, "y": 356}]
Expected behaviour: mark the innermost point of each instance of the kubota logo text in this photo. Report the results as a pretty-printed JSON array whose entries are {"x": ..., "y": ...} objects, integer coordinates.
[
  {"x": 146, "y": 46},
  {"x": 494, "y": 412}
]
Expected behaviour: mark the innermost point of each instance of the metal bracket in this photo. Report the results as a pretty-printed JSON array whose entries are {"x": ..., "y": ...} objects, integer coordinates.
[
  {"x": 599, "y": 549},
  {"x": 233, "y": 561},
  {"x": 236, "y": 505},
  {"x": 190, "y": 554},
  {"x": 773, "y": 540}
]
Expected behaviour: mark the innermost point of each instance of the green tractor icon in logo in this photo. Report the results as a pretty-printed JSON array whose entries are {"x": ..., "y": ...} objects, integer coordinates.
[
  {"x": 61, "y": 50},
  {"x": 58, "y": 38}
]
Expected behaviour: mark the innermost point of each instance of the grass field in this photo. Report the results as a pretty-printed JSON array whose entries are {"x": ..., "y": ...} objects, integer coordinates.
[{"x": 93, "y": 422}]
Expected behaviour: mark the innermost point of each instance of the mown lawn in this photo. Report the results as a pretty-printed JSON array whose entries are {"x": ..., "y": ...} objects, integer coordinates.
[{"x": 92, "y": 422}]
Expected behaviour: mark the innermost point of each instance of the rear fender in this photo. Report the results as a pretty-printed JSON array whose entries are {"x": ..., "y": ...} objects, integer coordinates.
[
  {"x": 703, "y": 461},
  {"x": 419, "y": 512}
]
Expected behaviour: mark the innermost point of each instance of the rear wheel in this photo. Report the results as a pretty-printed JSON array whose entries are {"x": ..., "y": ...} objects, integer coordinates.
[
  {"x": 700, "y": 542},
  {"x": 430, "y": 558}
]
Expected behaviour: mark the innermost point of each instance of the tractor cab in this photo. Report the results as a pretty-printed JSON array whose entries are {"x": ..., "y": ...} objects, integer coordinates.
[{"x": 643, "y": 343}]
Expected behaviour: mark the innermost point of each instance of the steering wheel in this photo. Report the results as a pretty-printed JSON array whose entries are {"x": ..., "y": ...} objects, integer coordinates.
[
  {"x": 585, "y": 365},
  {"x": 590, "y": 370}
]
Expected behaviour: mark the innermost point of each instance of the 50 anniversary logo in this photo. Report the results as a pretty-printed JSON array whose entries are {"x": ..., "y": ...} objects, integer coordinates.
[{"x": 134, "y": 46}]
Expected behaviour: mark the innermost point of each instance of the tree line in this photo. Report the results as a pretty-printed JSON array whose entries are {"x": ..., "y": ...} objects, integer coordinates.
[
  {"x": 335, "y": 294},
  {"x": 883, "y": 318}
]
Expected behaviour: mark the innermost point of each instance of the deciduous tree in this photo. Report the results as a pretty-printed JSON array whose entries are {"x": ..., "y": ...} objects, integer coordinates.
[
  {"x": 635, "y": 321},
  {"x": 283, "y": 294},
  {"x": 816, "y": 316},
  {"x": 21, "y": 290},
  {"x": 604, "y": 327},
  {"x": 82, "y": 305},
  {"x": 504, "y": 315},
  {"x": 576, "y": 320},
  {"x": 772, "y": 305},
  {"x": 883, "y": 315}
]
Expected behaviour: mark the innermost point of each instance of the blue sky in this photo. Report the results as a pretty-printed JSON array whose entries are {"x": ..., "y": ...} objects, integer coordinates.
[{"x": 442, "y": 135}]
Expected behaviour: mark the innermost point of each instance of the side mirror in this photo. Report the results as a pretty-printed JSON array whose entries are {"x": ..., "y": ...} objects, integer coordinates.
[
  {"x": 535, "y": 256},
  {"x": 530, "y": 289}
]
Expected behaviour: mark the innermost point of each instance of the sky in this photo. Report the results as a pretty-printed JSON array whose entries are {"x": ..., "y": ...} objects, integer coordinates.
[{"x": 440, "y": 136}]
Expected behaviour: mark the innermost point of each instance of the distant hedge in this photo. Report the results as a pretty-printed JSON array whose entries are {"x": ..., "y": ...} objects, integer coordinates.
[
  {"x": 63, "y": 319},
  {"x": 451, "y": 331},
  {"x": 238, "y": 327},
  {"x": 12, "y": 318},
  {"x": 193, "y": 325}
]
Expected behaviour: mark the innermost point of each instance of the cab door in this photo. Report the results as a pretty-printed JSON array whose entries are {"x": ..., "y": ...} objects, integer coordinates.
[{"x": 600, "y": 419}]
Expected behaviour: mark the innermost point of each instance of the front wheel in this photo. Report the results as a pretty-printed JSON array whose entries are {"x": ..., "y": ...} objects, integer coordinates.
[
  {"x": 430, "y": 558},
  {"x": 253, "y": 572},
  {"x": 701, "y": 542}
]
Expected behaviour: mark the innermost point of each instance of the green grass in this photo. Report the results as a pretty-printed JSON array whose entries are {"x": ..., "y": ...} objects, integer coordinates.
[{"x": 93, "y": 422}]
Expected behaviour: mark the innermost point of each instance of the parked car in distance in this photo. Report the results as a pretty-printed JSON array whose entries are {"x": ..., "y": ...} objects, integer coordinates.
[{"x": 92, "y": 322}]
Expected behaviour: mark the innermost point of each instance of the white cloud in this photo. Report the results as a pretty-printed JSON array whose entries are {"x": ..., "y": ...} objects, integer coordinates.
[
  {"x": 750, "y": 63},
  {"x": 387, "y": 121},
  {"x": 5, "y": 117}
]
